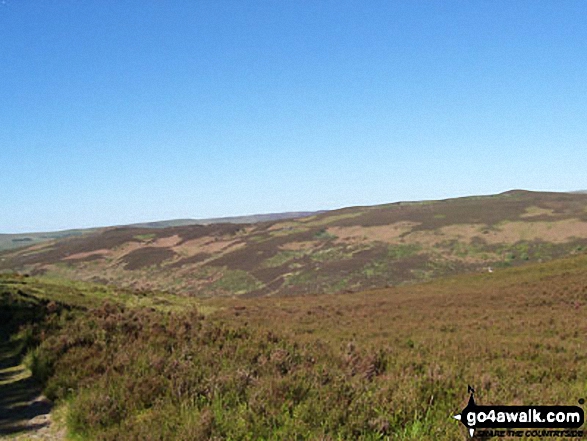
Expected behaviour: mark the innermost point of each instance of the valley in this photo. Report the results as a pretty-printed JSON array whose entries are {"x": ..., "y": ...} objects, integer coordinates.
[{"x": 346, "y": 250}]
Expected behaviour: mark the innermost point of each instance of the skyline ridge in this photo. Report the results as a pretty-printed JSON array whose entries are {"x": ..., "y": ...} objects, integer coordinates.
[{"x": 205, "y": 221}]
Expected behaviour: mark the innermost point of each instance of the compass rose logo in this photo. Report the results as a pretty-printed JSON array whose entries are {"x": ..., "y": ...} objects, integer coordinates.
[{"x": 470, "y": 407}]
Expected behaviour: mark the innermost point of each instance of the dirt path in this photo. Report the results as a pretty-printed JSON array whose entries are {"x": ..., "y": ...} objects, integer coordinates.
[{"x": 24, "y": 412}]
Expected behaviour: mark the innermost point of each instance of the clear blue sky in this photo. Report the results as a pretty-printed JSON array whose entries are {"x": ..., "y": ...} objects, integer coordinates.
[{"x": 114, "y": 112}]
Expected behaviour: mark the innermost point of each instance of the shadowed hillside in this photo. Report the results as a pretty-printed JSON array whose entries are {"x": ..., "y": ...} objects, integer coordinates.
[{"x": 342, "y": 250}]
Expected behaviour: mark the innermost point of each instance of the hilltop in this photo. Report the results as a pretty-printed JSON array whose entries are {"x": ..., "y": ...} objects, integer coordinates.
[{"x": 344, "y": 250}]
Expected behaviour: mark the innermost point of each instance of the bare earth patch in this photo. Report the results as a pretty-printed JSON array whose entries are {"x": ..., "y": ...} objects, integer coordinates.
[
  {"x": 509, "y": 232},
  {"x": 427, "y": 238},
  {"x": 166, "y": 242},
  {"x": 298, "y": 246},
  {"x": 77, "y": 256},
  {"x": 384, "y": 233},
  {"x": 557, "y": 232},
  {"x": 537, "y": 211},
  {"x": 125, "y": 248},
  {"x": 463, "y": 232},
  {"x": 39, "y": 246},
  {"x": 208, "y": 245},
  {"x": 283, "y": 226}
]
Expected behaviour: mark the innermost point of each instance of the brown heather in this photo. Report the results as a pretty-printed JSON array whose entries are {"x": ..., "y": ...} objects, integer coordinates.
[
  {"x": 386, "y": 364},
  {"x": 351, "y": 249}
]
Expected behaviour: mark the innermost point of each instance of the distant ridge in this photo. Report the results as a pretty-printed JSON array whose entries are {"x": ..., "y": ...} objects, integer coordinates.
[
  {"x": 349, "y": 249},
  {"x": 252, "y": 219},
  {"x": 12, "y": 241}
]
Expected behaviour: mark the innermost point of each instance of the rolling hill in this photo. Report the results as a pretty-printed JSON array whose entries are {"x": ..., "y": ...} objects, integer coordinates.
[
  {"x": 344, "y": 250},
  {"x": 19, "y": 240},
  {"x": 391, "y": 363}
]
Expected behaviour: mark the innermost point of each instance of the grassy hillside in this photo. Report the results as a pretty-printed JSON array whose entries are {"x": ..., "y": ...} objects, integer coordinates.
[
  {"x": 384, "y": 364},
  {"x": 351, "y": 249}
]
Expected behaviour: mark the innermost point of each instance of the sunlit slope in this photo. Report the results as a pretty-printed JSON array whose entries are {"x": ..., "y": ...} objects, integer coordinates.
[
  {"x": 337, "y": 251},
  {"x": 12, "y": 241},
  {"x": 390, "y": 363}
]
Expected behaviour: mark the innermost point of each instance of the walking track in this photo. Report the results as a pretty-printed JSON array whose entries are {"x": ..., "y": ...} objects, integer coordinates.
[{"x": 24, "y": 412}]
